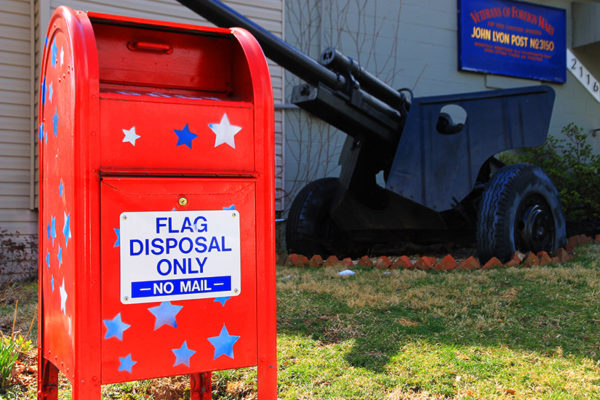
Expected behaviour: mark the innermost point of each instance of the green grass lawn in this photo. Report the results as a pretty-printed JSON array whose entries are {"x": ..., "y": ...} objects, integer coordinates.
[
  {"x": 500, "y": 334},
  {"x": 523, "y": 333}
]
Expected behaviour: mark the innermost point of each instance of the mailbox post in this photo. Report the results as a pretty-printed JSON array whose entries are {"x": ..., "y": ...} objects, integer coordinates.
[{"x": 157, "y": 254}]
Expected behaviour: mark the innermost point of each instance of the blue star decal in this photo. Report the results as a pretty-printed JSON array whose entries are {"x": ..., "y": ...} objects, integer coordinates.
[
  {"x": 41, "y": 134},
  {"x": 223, "y": 343},
  {"x": 126, "y": 363},
  {"x": 61, "y": 188},
  {"x": 185, "y": 136},
  {"x": 115, "y": 327},
  {"x": 221, "y": 300},
  {"x": 165, "y": 314},
  {"x": 118, "y": 241},
  {"x": 54, "y": 49},
  {"x": 47, "y": 259},
  {"x": 55, "y": 123},
  {"x": 59, "y": 256},
  {"x": 50, "y": 91},
  {"x": 46, "y": 42},
  {"x": 53, "y": 229},
  {"x": 67, "y": 229},
  {"x": 44, "y": 90},
  {"x": 183, "y": 354},
  {"x": 52, "y": 282},
  {"x": 231, "y": 207},
  {"x": 48, "y": 230}
]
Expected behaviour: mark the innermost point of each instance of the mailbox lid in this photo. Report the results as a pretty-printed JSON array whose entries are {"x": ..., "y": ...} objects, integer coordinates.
[
  {"x": 172, "y": 133},
  {"x": 176, "y": 97},
  {"x": 163, "y": 338},
  {"x": 153, "y": 54}
]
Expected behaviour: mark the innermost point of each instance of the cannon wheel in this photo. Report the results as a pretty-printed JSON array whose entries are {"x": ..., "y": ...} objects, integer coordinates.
[
  {"x": 520, "y": 210},
  {"x": 309, "y": 228}
]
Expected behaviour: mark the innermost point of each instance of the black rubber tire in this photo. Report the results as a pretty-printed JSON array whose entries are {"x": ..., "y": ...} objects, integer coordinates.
[
  {"x": 517, "y": 192},
  {"x": 309, "y": 227}
]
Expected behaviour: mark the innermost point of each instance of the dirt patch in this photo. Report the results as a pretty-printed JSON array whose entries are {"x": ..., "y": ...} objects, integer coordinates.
[
  {"x": 172, "y": 388},
  {"x": 241, "y": 390}
]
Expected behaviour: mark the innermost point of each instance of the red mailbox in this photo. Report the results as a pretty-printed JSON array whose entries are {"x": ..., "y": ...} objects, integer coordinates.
[{"x": 157, "y": 253}]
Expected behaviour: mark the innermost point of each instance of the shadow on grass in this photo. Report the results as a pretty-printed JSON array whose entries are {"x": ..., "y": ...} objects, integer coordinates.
[{"x": 539, "y": 310}]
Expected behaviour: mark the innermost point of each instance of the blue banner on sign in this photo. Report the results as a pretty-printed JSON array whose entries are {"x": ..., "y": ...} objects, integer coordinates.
[
  {"x": 174, "y": 287},
  {"x": 512, "y": 38}
]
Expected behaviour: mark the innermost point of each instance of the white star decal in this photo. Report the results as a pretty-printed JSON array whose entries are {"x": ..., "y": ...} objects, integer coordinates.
[
  {"x": 130, "y": 135},
  {"x": 70, "y": 325},
  {"x": 63, "y": 297},
  {"x": 225, "y": 132},
  {"x": 62, "y": 56}
]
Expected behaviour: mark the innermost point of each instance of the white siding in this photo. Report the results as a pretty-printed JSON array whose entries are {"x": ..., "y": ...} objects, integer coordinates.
[
  {"x": 16, "y": 123},
  {"x": 268, "y": 13}
]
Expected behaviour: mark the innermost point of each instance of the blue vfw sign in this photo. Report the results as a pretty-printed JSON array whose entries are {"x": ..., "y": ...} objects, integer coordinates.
[{"x": 512, "y": 38}]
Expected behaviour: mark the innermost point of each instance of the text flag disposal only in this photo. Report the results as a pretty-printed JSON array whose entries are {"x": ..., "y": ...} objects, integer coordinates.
[{"x": 179, "y": 255}]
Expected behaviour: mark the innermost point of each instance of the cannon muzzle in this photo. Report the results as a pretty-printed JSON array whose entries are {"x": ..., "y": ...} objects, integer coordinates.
[{"x": 337, "y": 62}]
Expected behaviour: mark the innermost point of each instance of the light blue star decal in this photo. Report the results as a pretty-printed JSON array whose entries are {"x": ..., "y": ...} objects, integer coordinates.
[
  {"x": 41, "y": 134},
  {"x": 185, "y": 136},
  {"x": 47, "y": 259},
  {"x": 223, "y": 343},
  {"x": 118, "y": 241},
  {"x": 48, "y": 230},
  {"x": 44, "y": 90},
  {"x": 50, "y": 91},
  {"x": 52, "y": 282},
  {"x": 61, "y": 188},
  {"x": 55, "y": 123},
  {"x": 54, "y": 49},
  {"x": 183, "y": 354},
  {"x": 67, "y": 229},
  {"x": 53, "y": 229},
  {"x": 221, "y": 300},
  {"x": 126, "y": 363},
  {"x": 165, "y": 314},
  {"x": 115, "y": 327},
  {"x": 231, "y": 207},
  {"x": 59, "y": 256}
]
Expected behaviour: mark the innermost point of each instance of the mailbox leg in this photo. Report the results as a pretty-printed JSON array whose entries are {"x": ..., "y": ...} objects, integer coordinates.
[
  {"x": 267, "y": 381},
  {"x": 86, "y": 390},
  {"x": 47, "y": 380},
  {"x": 200, "y": 386}
]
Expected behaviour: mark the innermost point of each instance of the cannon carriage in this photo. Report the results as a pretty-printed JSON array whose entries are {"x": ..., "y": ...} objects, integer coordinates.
[{"x": 437, "y": 156}]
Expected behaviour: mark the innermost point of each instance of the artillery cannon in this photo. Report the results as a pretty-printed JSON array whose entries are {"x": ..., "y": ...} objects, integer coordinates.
[{"x": 441, "y": 177}]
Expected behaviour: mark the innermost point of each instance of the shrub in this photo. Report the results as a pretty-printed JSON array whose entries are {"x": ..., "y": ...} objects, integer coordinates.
[
  {"x": 573, "y": 167},
  {"x": 8, "y": 356},
  {"x": 10, "y": 348}
]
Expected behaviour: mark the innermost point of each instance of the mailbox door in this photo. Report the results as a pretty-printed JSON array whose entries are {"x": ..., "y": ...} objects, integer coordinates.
[{"x": 164, "y": 336}]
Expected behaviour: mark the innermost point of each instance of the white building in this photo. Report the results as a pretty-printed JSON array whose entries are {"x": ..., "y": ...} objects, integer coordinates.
[{"x": 407, "y": 43}]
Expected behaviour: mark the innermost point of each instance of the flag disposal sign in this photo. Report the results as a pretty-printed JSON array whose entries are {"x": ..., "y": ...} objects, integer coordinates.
[{"x": 179, "y": 255}]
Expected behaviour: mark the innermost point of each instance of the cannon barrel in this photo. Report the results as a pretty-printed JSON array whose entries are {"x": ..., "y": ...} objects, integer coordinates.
[
  {"x": 334, "y": 96},
  {"x": 276, "y": 49},
  {"x": 337, "y": 62}
]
